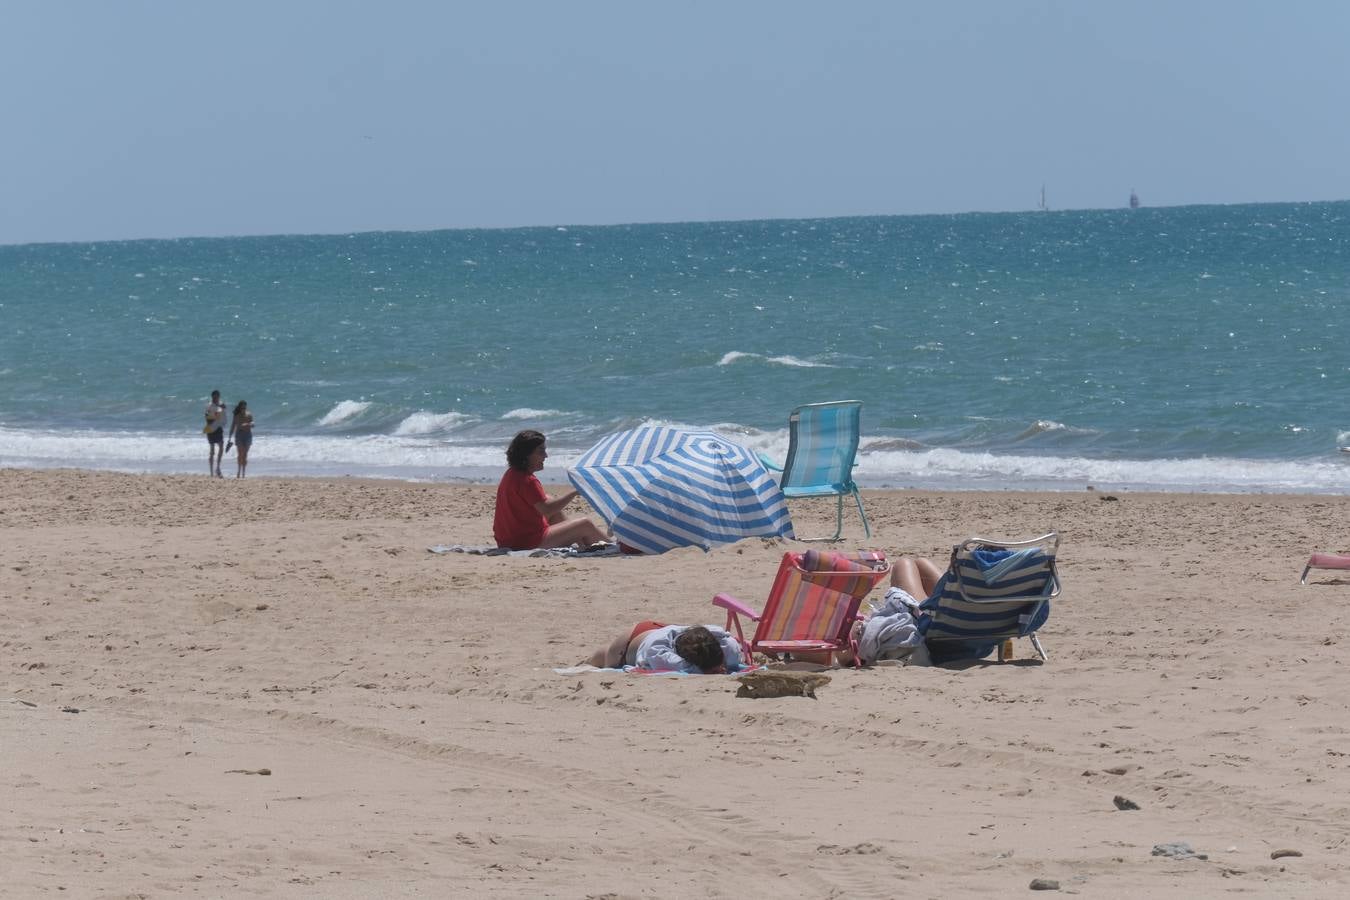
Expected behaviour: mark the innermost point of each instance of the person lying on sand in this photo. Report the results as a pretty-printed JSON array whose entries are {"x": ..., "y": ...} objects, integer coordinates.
[{"x": 697, "y": 649}]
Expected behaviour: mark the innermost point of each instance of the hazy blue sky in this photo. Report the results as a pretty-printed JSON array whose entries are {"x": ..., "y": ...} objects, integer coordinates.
[{"x": 175, "y": 118}]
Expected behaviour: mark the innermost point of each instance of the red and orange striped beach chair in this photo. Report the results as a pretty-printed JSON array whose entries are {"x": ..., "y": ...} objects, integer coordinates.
[{"x": 812, "y": 605}]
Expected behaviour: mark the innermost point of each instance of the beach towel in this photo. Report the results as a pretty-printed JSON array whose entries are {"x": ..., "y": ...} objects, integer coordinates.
[
  {"x": 634, "y": 670},
  {"x": 573, "y": 551},
  {"x": 890, "y": 632}
]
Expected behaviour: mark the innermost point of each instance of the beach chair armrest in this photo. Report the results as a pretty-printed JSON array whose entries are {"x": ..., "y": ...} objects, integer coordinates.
[
  {"x": 731, "y": 604},
  {"x": 769, "y": 463}
]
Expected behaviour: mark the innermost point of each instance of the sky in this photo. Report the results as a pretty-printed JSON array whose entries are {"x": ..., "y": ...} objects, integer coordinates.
[{"x": 183, "y": 118}]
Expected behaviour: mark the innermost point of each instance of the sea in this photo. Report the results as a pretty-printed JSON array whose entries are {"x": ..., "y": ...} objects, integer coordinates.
[{"x": 1200, "y": 348}]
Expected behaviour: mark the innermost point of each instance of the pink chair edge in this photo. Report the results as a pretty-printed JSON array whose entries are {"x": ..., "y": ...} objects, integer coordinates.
[
  {"x": 1324, "y": 561},
  {"x": 736, "y": 608}
]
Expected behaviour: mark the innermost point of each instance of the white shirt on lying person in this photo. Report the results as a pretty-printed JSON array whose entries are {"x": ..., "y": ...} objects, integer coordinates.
[{"x": 657, "y": 650}]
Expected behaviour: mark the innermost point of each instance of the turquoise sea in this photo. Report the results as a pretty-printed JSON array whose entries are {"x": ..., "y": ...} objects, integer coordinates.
[{"x": 1186, "y": 348}]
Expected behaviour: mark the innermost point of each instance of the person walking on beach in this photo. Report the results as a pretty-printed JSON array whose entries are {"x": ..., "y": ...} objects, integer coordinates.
[
  {"x": 215, "y": 435},
  {"x": 241, "y": 436},
  {"x": 526, "y": 517}
]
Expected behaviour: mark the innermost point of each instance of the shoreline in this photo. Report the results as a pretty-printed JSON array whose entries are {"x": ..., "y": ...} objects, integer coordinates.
[
  {"x": 416, "y": 735},
  {"x": 484, "y": 475}
]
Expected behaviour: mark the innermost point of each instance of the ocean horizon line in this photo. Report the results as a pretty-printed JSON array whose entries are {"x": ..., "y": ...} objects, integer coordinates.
[{"x": 554, "y": 226}]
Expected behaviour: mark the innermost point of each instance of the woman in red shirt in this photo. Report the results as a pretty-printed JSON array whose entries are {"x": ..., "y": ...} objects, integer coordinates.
[{"x": 526, "y": 517}]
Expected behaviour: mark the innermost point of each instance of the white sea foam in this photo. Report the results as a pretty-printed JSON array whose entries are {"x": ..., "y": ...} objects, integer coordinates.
[
  {"x": 737, "y": 355},
  {"x": 369, "y": 455},
  {"x": 956, "y": 469},
  {"x": 1040, "y": 426},
  {"x": 881, "y": 463},
  {"x": 798, "y": 363},
  {"x": 429, "y": 423},
  {"x": 344, "y": 411},
  {"x": 879, "y": 444},
  {"x": 734, "y": 355},
  {"x": 526, "y": 412}
]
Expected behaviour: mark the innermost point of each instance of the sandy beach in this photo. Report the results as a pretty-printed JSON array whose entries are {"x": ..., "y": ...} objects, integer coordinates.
[{"x": 167, "y": 637}]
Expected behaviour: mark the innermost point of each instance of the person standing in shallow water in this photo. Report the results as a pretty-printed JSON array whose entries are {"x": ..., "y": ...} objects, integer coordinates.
[
  {"x": 526, "y": 517},
  {"x": 215, "y": 435},
  {"x": 241, "y": 435}
]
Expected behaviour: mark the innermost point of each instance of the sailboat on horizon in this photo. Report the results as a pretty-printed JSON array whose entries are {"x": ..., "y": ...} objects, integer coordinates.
[
  {"x": 1134, "y": 199},
  {"x": 1043, "y": 207}
]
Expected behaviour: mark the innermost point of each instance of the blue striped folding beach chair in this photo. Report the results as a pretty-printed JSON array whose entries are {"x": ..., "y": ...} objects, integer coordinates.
[
  {"x": 992, "y": 591},
  {"x": 822, "y": 447}
]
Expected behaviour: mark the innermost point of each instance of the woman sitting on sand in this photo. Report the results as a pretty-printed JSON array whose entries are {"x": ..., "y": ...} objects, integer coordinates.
[
  {"x": 527, "y": 518},
  {"x": 696, "y": 649}
]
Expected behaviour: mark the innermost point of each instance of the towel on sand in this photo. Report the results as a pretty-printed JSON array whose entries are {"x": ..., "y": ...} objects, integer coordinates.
[
  {"x": 634, "y": 670},
  {"x": 890, "y": 632},
  {"x": 601, "y": 549}
]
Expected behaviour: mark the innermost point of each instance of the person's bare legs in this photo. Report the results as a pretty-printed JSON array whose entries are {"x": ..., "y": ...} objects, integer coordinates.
[
  {"x": 915, "y": 576},
  {"x": 612, "y": 657},
  {"x": 241, "y": 459},
  {"x": 572, "y": 531}
]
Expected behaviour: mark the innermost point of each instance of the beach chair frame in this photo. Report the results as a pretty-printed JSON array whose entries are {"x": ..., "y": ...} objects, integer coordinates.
[
  {"x": 808, "y": 609},
  {"x": 821, "y": 456},
  {"x": 1325, "y": 561},
  {"x": 1001, "y": 601}
]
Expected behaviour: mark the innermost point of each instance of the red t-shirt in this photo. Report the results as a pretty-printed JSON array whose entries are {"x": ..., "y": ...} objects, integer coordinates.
[{"x": 516, "y": 523}]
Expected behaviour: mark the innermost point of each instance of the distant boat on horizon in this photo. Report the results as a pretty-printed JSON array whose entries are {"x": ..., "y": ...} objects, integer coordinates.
[
  {"x": 1134, "y": 200},
  {"x": 1043, "y": 207}
]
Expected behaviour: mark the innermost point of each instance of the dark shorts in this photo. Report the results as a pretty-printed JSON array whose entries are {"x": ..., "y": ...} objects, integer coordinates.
[
  {"x": 243, "y": 439},
  {"x": 632, "y": 636},
  {"x": 216, "y": 437}
]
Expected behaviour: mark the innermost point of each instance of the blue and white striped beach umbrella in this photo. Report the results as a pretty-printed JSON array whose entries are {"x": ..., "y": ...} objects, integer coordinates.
[{"x": 661, "y": 488}]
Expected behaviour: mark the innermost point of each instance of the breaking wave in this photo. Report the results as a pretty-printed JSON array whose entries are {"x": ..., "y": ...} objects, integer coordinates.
[
  {"x": 428, "y": 423},
  {"x": 345, "y": 410},
  {"x": 793, "y": 361}
]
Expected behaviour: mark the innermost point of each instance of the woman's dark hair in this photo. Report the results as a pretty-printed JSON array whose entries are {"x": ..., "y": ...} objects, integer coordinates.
[
  {"x": 240, "y": 407},
  {"x": 698, "y": 646},
  {"x": 522, "y": 445}
]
